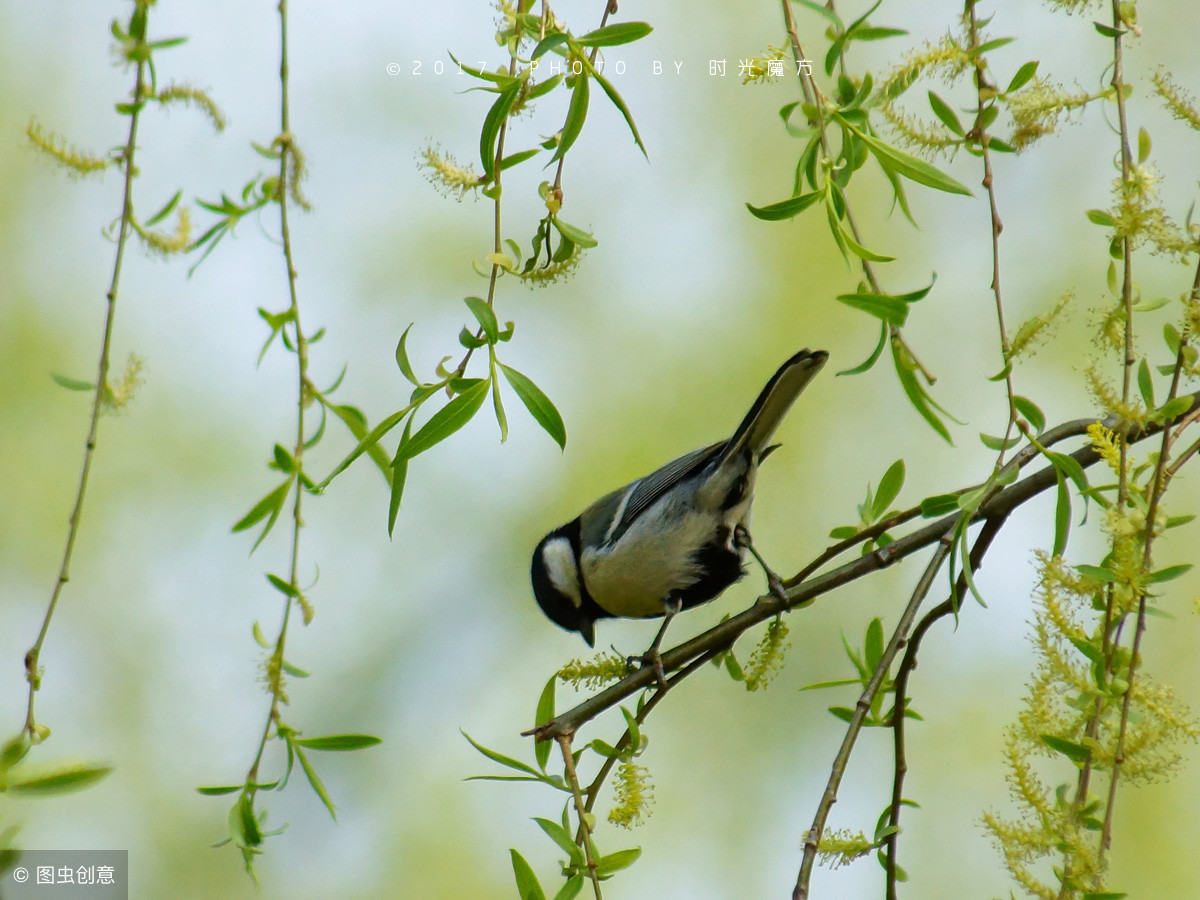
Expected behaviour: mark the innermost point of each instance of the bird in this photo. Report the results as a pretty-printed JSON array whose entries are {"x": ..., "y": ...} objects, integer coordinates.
[{"x": 673, "y": 539}]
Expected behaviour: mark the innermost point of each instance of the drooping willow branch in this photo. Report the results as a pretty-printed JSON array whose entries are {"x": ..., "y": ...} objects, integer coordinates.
[{"x": 726, "y": 633}]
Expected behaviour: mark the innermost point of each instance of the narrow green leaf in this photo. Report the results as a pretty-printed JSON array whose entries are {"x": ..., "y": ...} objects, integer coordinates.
[
  {"x": 949, "y": 117},
  {"x": 571, "y": 889},
  {"x": 513, "y": 159},
  {"x": 1062, "y": 515},
  {"x": 406, "y": 368},
  {"x": 399, "y": 473},
  {"x": 165, "y": 211},
  {"x": 939, "y": 505},
  {"x": 218, "y": 791},
  {"x": 1101, "y": 217},
  {"x": 911, "y": 167},
  {"x": 447, "y": 420},
  {"x": 1143, "y": 145},
  {"x": 314, "y": 779},
  {"x": 485, "y": 316},
  {"x": 871, "y": 33},
  {"x": 1145, "y": 383},
  {"x": 862, "y": 252},
  {"x": 1099, "y": 573},
  {"x": 841, "y": 712},
  {"x": 821, "y": 685},
  {"x": 993, "y": 442},
  {"x": 72, "y": 384},
  {"x": 491, "y": 126},
  {"x": 267, "y": 508},
  {"x": 1024, "y": 74},
  {"x": 59, "y": 780},
  {"x": 613, "y": 35},
  {"x": 988, "y": 46},
  {"x": 616, "y": 101},
  {"x": 614, "y": 862},
  {"x": 1169, "y": 573},
  {"x": 562, "y": 837},
  {"x": 1107, "y": 30},
  {"x": 548, "y": 43},
  {"x": 576, "y": 114},
  {"x": 573, "y": 233},
  {"x": 870, "y": 361},
  {"x": 1073, "y": 751},
  {"x": 282, "y": 586},
  {"x": 1031, "y": 412},
  {"x": 339, "y": 742},
  {"x": 544, "y": 713},
  {"x": 889, "y": 488},
  {"x": 506, "y": 761},
  {"x": 916, "y": 394},
  {"x": 538, "y": 404},
  {"x": 873, "y": 646},
  {"x": 784, "y": 209},
  {"x": 891, "y": 310},
  {"x": 1174, "y": 408},
  {"x": 528, "y": 885}
]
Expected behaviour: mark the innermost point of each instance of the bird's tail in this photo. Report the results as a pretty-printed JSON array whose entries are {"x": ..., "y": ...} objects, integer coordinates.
[{"x": 774, "y": 402}]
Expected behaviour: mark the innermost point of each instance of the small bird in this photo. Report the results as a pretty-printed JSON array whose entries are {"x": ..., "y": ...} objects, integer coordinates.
[{"x": 673, "y": 539}]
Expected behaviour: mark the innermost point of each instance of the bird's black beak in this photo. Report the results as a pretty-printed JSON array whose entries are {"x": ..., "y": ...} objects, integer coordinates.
[{"x": 588, "y": 629}]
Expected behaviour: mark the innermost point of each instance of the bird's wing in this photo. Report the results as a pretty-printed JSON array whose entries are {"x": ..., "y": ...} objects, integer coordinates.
[{"x": 642, "y": 494}]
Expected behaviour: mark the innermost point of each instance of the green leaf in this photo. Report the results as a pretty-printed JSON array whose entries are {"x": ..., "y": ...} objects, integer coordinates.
[
  {"x": 911, "y": 167},
  {"x": 538, "y": 404},
  {"x": 562, "y": 837},
  {"x": 889, "y": 488},
  {"x": 571, "y": 889},
  {"x": 916, "y": 394},
  {"x": 72, "y": 384},
  {"x": 1101, "y": 217},
  {"x": 513, "y": 159},
  {"x": 218, "y": 791},
  {"x": 528, "y": 885},
  {"x": 59, "y": 780},
  {"x": 1107, "y": 30},
  {"x": 1024, "y": 74},
  {"x": 485, "y": 316},
  {"x": 545, "y": 712},
  {"x": 1174, "y": 408},
  {"x": 877, "y": 34},
  {"x": 447, "y": 420},
  {"x": 1074, "y": 752},
  {"x": 862, "y": 252},
  {"x": 842, "y": 713},
  {"x": 1062, "y": 515},
  {"x": 576, "y": 114},
  {"x": 1031, "y": 412},
  {"x": 548, "y": 43},
  {"x": 988, "y": 46},
  {"x": 616, "y": 101},
  {"x": 399, "y": 470},
  {"x": 873, "y": 646},
  {"x": 267, "y": 508},
  {"x": 939, "y": 505},
  {"x": 282, "y": 586},
  {"x": 821, "y": 685},
  {"x": 506, "y": 761},
  {"x": 313, "y": 778},
  {"x": 491, "y": 126},
  {"x": 165, "y": 211},
  {"x": 870, "y": 361},
  {"x": 889, "y": 309},
  {"x": 339, "y": 742},
  {"x": 1099, "y": 573},
  {"x": 1168, "y": 573},
  {"x": 613, "y": 35},
  {"x": 942, "y": 110},
  {"x": 994, "y": 442},
  {"x": 1143, "y": 145},
  {"x": 406, "y": 368},
  {"x": 573, "y": 233},
  {"x": 1145, "y": 383},
  {"x": 784, "y": 209},
  {"x": 614, "y": 862}
]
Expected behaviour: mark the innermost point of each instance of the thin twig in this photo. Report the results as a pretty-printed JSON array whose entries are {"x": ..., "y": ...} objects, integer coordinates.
[
  {"x": 33, "y": 671},
  {"x": 286, "y": 161},
  {"x": 564, "y": 742},
  {"x": 899, "y": 637},
  {"x": 949, "y": 606}
]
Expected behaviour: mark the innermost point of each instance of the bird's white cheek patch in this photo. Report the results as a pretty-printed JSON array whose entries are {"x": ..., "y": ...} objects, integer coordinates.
[{"x": 560, "y": 567}]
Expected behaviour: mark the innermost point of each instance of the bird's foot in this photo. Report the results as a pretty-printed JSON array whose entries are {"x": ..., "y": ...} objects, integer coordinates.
[{"x": 741, "y": 537}]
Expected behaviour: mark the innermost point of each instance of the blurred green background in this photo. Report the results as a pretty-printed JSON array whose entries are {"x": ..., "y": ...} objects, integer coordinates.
[{"x": 658, "y": 345}]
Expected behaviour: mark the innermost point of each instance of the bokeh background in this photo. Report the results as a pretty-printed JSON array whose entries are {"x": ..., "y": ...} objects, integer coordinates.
[{"x": 670, "y": 327}]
